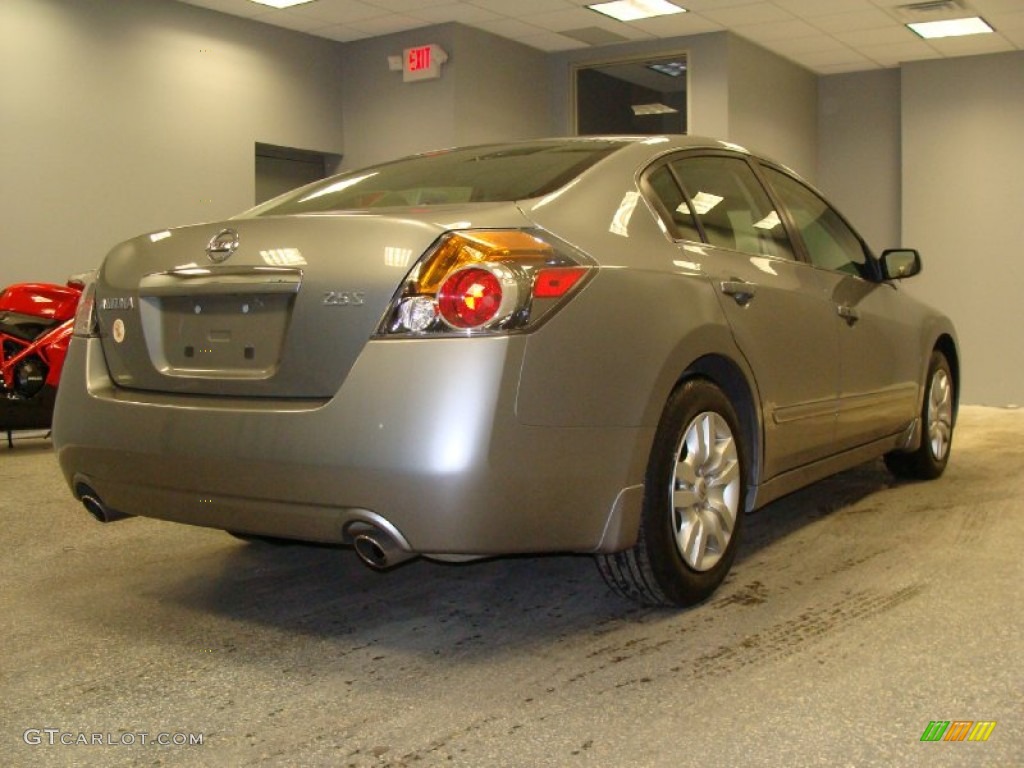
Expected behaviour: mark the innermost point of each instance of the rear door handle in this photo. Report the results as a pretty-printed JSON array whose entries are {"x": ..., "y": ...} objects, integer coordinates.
[
  {"x": 848, "y": 313},
  {"x": 740, "y": 290}
]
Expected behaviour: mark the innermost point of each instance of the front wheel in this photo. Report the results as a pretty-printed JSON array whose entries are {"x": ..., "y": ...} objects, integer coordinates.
[
  {"x": 937, "y": 417},
  {"x": 693, "y": 503}
]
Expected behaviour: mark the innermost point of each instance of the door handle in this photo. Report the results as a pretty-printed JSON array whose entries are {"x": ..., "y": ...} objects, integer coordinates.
[
  {"x": 740, "y": 290},
  {"x": 848, "y": 313}
]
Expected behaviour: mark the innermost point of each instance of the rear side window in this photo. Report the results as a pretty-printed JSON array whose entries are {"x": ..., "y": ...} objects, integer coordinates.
[
  {"x": 674, "y": 204},
  {"x": 830, "y": 242},
  {"x": 732, "y": 206}
]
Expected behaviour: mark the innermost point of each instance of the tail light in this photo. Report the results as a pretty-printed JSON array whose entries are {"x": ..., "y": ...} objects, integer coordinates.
[
  {"x": 85, "y": 314},
  {"x": 483, "y": 281}
]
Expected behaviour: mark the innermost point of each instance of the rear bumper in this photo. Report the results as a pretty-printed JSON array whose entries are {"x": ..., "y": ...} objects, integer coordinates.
[{"x": 422, "y": 435}]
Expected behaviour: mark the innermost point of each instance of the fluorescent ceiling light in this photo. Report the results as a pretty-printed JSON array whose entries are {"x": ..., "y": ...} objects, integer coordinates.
[
  {"x": 281, "y": 3},
  {"x": 633, "y": 10},
  {"x": 951, "y": 27},
  {"x": 653, "y": 109},
  {"x": 670, "y": 68}
]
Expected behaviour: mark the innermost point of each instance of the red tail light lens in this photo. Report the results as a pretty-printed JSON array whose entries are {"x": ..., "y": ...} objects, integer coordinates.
[
  {"x": 470, "y": 298},
  {"x": 555, "y": 283},
  {"x": 486, "y": 281}
]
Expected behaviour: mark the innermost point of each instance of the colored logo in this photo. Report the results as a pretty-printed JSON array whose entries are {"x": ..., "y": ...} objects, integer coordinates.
[{"x": 958, "y": 730}]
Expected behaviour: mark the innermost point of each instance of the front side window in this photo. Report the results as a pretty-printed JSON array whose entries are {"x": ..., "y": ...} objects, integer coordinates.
[
  {"x": 830, "y": 242},
  {"x": 732, "y": 206}
]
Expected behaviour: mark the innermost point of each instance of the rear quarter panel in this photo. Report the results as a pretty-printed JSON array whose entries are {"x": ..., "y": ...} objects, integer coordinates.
[{"x": 613, "y": 354}]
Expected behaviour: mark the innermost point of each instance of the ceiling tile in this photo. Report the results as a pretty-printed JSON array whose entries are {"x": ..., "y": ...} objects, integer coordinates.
[
  {"x": 552, "y": 41},
  {"x": 386, "y": 25},
  {"x": 407, "y": 7},
  {"x": 1004, "y": 21},
  {"x": 524, "y": 8},
  {"x": 777, "y": 30},
  {"x": 892, "y": 54},
  {"x": 510, "y": 28},
  {"x": 461, "y": 12},
  {"x": 880, "y": 36},
  {"x": 871, "y": 18},
  {"x": 995, "y": 6},
  {"x": 341, "y": 32},
  {"x": 831, "y": 58},
  {"x": 753, "y": 13},
  {"x": 337, "y": 11},
  {"x": 839, "y": 69},
  {"x": 807, "y": 9},
  {"x": 574, "y": 18},
  {"x": 823, "y": 35},
  {"x": 708, "y": 5},
  {"x": 292, "y": 21},
  {"x": 677, "y": 25},
  {"x": 974, "y": 44},
  {"x": 1015, "y": 36}
]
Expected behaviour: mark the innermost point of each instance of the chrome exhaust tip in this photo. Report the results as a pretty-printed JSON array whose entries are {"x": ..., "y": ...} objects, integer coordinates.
[
  {"x": 379, "y": 550},
  {"x": 95, "y": 507}
]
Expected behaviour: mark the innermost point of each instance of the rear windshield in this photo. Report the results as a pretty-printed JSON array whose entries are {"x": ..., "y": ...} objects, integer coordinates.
[{"x": 475, "y": 175}]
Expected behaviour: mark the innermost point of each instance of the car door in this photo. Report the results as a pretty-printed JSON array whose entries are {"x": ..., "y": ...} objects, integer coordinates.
[
  {"x": 879, "y": 362},
  {"x": 775, "y": 305}
]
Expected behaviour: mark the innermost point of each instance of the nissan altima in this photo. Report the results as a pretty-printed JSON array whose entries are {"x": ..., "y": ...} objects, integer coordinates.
[{"x": 615, "y": 346}]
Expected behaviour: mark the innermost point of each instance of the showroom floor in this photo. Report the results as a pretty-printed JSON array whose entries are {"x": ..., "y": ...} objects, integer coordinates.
[{"x": 858, "y": 612}]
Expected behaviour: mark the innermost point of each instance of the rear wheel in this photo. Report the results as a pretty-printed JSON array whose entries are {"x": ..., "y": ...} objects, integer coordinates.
[
  {"x": 693, "y": 503},
  {"x": 930, "y": 459}
]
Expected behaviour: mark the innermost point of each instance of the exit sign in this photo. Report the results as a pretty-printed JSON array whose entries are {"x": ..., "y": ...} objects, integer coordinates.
[{"x": 423, "y": 62}]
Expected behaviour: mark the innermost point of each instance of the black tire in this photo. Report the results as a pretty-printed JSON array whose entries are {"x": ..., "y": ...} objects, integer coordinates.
[
  {"x": 938, "y": 414},
  {"x": 658, "y": 570}
]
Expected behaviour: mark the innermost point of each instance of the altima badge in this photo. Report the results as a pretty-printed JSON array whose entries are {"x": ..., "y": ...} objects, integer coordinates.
[{"x": 222, "y": 245}]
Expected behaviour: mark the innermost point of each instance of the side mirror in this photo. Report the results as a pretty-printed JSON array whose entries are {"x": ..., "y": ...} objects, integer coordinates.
[{"x": 898, "y": 263}]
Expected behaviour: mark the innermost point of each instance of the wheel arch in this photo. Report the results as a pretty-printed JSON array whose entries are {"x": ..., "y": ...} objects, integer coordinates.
[
  {"x": 729, "y": 377},
  {"x": 947, "y": 346}
]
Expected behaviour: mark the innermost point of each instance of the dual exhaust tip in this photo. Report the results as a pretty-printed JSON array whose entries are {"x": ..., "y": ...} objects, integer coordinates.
[{"x": 376, "y": 546}]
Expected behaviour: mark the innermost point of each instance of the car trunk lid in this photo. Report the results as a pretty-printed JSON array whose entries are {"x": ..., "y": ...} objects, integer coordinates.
[{"x": 273, "y": 307}]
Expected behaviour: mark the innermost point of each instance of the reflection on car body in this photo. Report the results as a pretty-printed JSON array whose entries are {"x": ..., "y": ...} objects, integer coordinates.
[{"x": 613, "y": 346}]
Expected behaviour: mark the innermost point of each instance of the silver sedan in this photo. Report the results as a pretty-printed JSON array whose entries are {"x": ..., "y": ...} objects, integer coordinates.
[{"x": 614, "y": 346}]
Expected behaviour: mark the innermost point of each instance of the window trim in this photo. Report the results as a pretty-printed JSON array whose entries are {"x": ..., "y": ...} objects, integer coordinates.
[{"x": 655, "y": 202}]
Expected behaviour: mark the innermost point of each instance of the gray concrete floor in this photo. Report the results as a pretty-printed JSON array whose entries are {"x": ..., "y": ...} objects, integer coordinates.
[{"x": 858, "y": 611}]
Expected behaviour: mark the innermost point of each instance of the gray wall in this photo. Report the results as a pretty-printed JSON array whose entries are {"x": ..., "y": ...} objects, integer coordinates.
[
  {"x": 773, "y": 106},
  {"x": 491, "y": 89},
  {"x": 737, "y": 91},
  {"x": 859, "y": 151},
  {"x": 120, "y": 116},
  {"x": 929, "y": 156},
  {"x": 963, "y": 206}
]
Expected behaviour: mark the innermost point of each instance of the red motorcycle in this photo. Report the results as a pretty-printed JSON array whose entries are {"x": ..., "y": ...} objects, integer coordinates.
[{"x": 36, "y": 320}]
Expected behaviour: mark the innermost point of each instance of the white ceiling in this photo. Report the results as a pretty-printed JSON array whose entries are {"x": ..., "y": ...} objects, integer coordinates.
[{"x": 825, "y": 36}]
